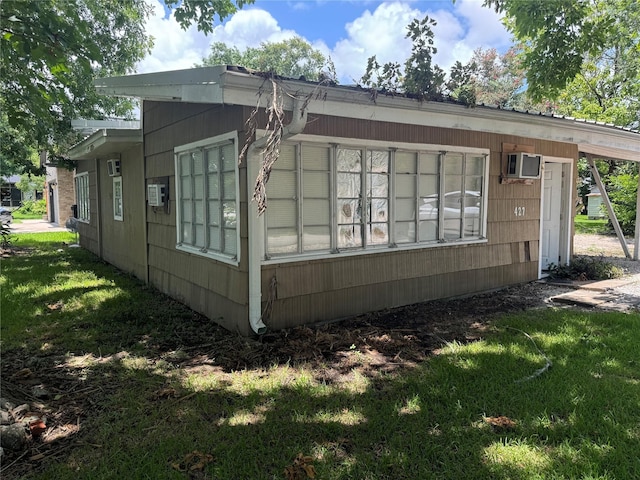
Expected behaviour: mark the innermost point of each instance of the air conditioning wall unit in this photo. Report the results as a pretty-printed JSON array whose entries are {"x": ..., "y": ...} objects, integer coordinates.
[
  {"x": 524, "y": 165},
  {"x": 113, "y": 167},
  {"x": 155, "y": 195}
]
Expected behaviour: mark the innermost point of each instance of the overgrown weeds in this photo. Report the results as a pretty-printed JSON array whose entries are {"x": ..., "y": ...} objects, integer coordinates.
[{"x": 584, "y": 267}]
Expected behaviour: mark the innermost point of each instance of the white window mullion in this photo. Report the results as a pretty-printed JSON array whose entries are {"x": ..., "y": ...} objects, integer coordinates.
[
  {"x": 441, "y": 198},
  {"x": 193, "y": 202},
  {"x": 392, "y": 198},
  {"x": 463, "y": 195},
  {"x": 365, "y": 203},
  {"x": 333, "y": 199},
  {"x": 299, "y": 201},
  {"x": 205, "y": 197}
]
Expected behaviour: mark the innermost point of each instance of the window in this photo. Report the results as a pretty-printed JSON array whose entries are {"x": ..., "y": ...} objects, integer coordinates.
[
  {"x": 82, "y": 196},
  {"x": 207, "y": 192},
  {"x": 325, "y": 198},
  {"x": 117, "y": 198}
]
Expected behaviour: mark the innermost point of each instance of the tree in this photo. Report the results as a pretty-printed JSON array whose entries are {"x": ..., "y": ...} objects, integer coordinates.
[
  {"x": 491, "y": 78},
  {"x": 622, "y": 187},
  {"x": 203, "y": 12},
  {"x": 293, "y": 57},
  {"x": 420, "y": 77},
  {"x": 559, "y": 35},
  {"x": 52, "y": 50}
]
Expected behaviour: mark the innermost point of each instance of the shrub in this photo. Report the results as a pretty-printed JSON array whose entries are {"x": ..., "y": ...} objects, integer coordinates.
[
  {"x": 586, "y": 268},
  {"x": 622, "y": 188},
  {"x": 33, "y": 207}
]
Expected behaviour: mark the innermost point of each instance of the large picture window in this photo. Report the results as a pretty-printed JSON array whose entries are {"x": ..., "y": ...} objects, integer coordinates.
[
  {"x": 207, "y": 192},
  {"x": 337, "y": 198},
  {"x": 82, "y": 196}
]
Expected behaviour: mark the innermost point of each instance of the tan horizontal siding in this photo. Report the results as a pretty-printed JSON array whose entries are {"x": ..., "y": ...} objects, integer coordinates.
[
  {"x": 338, "y": 304},
  {"x": 218, "y": 308}
]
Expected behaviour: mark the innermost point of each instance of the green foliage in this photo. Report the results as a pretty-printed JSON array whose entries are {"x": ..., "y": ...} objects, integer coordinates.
[
  {"x": 5, "y": 236},
  {"x": 622, "y": 188},
  {"x": 204, "y": 12},
  {"x": 420, "y": 77},
  {"x": 585, "y": 53},
  {"x": 31, "y": 208},
  {"x": 557, "y": 35},
  {"x": 51, "y": 52},
  {"x": 293, "y": 57},
  {"x": 586, "y": 268}
]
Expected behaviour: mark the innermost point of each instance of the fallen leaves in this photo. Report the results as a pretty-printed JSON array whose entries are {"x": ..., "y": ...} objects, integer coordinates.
[
  {"x": 301, "y": 469},
  {"x": 193, "y": 462},
  {"x": 500, "y": 423}
]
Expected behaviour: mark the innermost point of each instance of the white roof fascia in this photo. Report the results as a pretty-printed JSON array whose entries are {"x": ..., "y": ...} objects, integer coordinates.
[
  {"x": 199, "y": 85},
  {"x": 602, "y": 140},
  {"x": 221, "y": 85},
  {"x": 103, "y": 142}
]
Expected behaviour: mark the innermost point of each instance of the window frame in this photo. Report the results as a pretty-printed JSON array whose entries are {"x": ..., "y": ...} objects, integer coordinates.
[
  {"x": 302, "y": 140},
  {"x": 117, "y": 181},
  {"x": 83, "y": 199},
  {"x": 202, "y": 146}
]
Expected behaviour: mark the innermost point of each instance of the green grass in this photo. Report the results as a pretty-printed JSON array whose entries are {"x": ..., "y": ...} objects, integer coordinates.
[
  {"x": 585, "y": 225},
  {"x": 126, "y": 343},
  {"x": 18, "y": 215}
]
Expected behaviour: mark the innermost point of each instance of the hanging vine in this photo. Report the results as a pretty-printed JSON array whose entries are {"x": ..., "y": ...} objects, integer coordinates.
[{"x": 275, "y": 131}]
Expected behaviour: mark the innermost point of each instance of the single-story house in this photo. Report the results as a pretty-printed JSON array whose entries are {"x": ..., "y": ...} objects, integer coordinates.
[{"x": 373, "y": 201}]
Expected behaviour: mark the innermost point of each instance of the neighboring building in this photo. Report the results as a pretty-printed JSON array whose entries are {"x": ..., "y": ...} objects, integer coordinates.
[
  {"x": 9, "y": 194},
  {"x": 374, "y": 201},
  {"x": 60, "y": 194},
  {"x": 595, "y": 208},
  {"x": 12, "y": 196}
]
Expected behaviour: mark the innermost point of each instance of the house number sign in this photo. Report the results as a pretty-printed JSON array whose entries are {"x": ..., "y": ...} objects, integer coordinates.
[{"x": 519, "y": 211}]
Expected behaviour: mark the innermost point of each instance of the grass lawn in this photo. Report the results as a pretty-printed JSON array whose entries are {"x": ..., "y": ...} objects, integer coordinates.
[
  {"x": 585, "y": 225},
  {"x": 140, "y": 388}
]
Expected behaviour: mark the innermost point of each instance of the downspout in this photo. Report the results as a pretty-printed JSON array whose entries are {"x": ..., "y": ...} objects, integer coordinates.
[
  {"x": 255, "y": 222},
  {"x": 607, "y": 202}
]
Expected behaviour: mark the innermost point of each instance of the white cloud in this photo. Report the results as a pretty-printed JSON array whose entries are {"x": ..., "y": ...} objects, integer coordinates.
[
  {"x": 250, "y": 28},
  {"x": 173, "y": 48},
  {"x": 382, "y": 33}
]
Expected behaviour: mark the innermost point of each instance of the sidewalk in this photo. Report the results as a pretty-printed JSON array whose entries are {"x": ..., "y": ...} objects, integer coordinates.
[
  {"x": 36, "y": 226},
  {"x": 601, "y": 294}
]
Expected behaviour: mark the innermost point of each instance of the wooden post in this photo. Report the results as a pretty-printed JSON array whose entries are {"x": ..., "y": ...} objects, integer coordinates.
[
  {"x": 607, "y": 203},
  {"x": 636, "y": 242}
]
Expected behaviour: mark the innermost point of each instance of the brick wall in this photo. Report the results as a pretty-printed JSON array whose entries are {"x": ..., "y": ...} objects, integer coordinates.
[{"x": 66, "y": 195}]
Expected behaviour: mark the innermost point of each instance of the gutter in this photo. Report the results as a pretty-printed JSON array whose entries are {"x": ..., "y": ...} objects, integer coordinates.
[{"x": 256, "y": 222}]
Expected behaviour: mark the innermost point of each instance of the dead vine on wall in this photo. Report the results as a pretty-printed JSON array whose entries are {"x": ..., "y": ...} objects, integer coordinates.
[{"x": 275, "y": 131}]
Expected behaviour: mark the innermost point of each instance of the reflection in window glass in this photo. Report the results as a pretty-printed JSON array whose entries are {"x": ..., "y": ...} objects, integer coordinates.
[{"x": 324, "y": 198}]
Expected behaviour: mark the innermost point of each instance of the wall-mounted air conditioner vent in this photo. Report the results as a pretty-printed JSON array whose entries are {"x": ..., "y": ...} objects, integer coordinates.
[
  {"x": 155, "y": 195},
  {"x": 524, "y": 165},
  {"x": 113, "y": 167}
]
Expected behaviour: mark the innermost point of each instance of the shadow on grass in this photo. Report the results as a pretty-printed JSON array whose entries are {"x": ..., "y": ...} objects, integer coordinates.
[{"x": 172, "y": 392}]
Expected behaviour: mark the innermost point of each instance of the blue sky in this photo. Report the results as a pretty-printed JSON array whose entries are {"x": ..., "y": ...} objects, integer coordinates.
[{"x": 349, "y": 31}]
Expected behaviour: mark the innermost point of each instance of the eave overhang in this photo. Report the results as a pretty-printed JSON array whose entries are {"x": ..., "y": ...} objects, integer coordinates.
[
  {"x": 237, "y": 86},
  {"x": 105, "y": 142}
]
